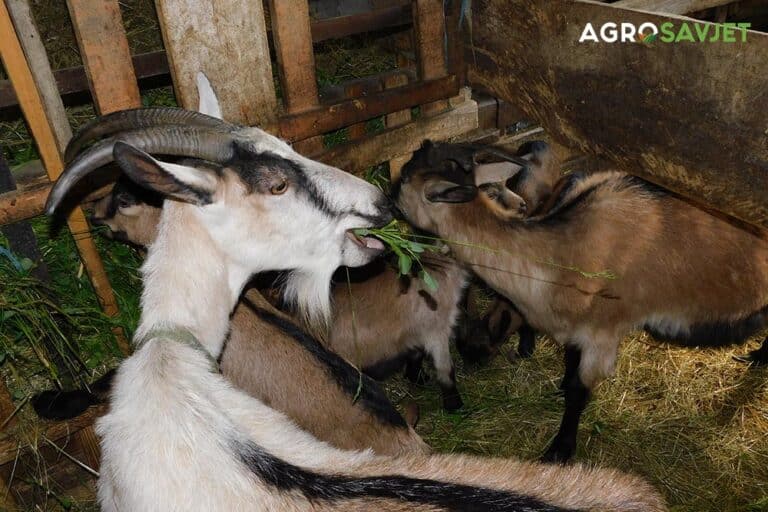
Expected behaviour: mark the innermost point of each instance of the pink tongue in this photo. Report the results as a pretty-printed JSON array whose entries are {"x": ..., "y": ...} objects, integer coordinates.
[{"x": 373, "y": 243}]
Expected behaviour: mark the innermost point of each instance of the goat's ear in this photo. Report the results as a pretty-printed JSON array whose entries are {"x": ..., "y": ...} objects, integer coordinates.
[
  {"x": 208, "y": 102},
  {"x": 449, "y": 192},
  {"x": 187, "y": 184}
]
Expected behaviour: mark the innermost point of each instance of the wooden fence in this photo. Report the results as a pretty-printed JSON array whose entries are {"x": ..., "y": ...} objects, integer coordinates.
[{"x": 236, "y": 58}]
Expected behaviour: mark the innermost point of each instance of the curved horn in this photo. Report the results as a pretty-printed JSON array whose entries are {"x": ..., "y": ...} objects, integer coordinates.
[
  {"x": 522, "y": 162},
  {"x": 137, "y": 119},
  {"x": 202, "y": 143}
]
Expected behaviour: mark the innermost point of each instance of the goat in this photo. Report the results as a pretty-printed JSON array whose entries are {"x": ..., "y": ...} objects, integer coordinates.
[
  {"x": 522, "y": 192},
  {"x": 380, "y": 321},
  {"x": 173, "y": 416},
  {"x": 681, "y": 273},
  {"x": 270, "y": 357}
]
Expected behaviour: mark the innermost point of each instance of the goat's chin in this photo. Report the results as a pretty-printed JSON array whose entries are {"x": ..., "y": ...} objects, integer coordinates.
[
  {"x": 356, "y": 256},
  {"x": 309, "y": 294}
]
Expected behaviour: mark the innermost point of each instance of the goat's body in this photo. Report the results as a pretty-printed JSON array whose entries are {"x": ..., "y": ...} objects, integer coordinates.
[
  {"x": 379, "y": 322},
  {"x": 200, "y": 423},
  {"x": 269, "y": 357},
  {"x": 676, "y": 291}
]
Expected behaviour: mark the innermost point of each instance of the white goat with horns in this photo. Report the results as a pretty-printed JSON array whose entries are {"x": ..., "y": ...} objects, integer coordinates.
[{"x": 178, "y": 436}]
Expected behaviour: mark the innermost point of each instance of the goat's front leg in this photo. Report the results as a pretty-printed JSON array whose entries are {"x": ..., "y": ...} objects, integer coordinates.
[
  {"x": 440, "y": 353},
  {"x": 414, "y": 368},
  {"x": 527, "y": 343},
  {"x": 757, "y": 357},
  {"x": 576, "y": 399}
]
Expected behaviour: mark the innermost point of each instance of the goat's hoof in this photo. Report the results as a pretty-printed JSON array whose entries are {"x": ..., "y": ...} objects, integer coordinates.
[
  {"x": 525, "y": 350},
  {"x": 558, "y": 453},
  {"x": 452, "y": 403},
  {"x": 754, "y": 358}
]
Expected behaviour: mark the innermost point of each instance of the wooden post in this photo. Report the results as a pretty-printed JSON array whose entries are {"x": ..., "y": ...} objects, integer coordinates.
[
  {"x": 226, "y": 40},
  {"x": 429, "y": 37},
  {"x": 292, "y": 35},
  {"x": 397, "y": 119},
  {"x": 104, "y": 48}
]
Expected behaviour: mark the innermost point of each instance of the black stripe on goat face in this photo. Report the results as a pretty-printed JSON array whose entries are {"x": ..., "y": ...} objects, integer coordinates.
[
  {"x": 270, "y": 173},
  {"x": 335, "y": 489}
]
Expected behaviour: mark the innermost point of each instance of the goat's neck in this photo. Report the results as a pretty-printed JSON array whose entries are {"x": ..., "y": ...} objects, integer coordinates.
[
  {"x": 485, "y": 240},
  {"x": 188, "y": 281}
]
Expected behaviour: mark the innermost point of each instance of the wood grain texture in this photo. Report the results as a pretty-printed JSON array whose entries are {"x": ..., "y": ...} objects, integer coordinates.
[
  {"x": 226, "y": 40},
  {"x": 292, "y": 35},
  {"x": 429, "y": 37},
  {"x": 106, "y": 57},
  {"x": 671, "y": 6},
  {"x": 395, "y": 119},
  {"x": 688, "y": 116},
  {"x": 34, "y": 51},
  {"x": 395, "y": 142},
  {"x": 39, "y": 123},
  {"x": 332, "y": 117}
]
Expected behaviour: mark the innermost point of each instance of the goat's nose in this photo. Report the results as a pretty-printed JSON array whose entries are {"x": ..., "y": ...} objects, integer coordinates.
[{"x": 386, "y": 211}]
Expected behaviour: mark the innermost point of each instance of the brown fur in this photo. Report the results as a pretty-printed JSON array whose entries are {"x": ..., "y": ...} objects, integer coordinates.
[
  {"x": 676, "y": 266},
  {"x": 263, "y": 361},
  {"x": 377, "y": 320}
]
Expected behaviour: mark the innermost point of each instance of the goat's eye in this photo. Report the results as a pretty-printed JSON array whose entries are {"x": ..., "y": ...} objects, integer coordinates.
[{"x": 279, "y": 188}]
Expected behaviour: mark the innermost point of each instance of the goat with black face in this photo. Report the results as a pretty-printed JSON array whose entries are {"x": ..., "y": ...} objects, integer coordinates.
[{"x": 610, "y": 254}]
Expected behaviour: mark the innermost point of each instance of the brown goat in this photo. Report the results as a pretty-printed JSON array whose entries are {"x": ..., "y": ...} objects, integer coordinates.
[
  {"x": 384, "y": 321},
  {"x": 364, "y": 332},
  {"x": 612, "y": 254},
  {"x": 270, "y": 357}
]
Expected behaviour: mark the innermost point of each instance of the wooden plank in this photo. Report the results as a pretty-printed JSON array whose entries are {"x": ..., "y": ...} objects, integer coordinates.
[
  {"x": 72, "y": 83},
  {"x": 32, "y": 44},
  {"x": 104, "y": 49},
  {"x": 393, "y": 120},
  {"x": 226, "y": 40},
  {"x": 295, "y": 56},
  {"x": 42, "y": 131},
  {"x": 690, "y": 117},
  {"x": 671, "y": 6},
  {"x": 332, "y": 117},
  {"x": 391, "y": 143},
  {"x": 377, "y": 19},
  {"x": 357, "y": 130},
  {"x": 429, "y": 36},
  {"x": 53, "y": 430}
]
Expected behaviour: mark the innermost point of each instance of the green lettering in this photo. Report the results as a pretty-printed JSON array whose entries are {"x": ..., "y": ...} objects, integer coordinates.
[
  {"x": 716, "y": 35},
  {"x": 702, "y": 29},
  {"x": 743, "y": 27},
  {"x": 729, "y": 33},
  {"x": 667, "y": 30},
  {"x": 685, "y": 34}
]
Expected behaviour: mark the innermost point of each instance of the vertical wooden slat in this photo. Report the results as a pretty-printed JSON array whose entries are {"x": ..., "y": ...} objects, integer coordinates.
[
  {"x": 356, "y": 130},
  {"x": 397, "y": 119},
  {"x": 32, "y": 44},
  {"x": 292, "y": 36},
  {"x": 35, "y": 112},
  {"x": 226, "y": 40},
  {"x": 429, "y": 37},
  {"x": 104, "y": 48}
]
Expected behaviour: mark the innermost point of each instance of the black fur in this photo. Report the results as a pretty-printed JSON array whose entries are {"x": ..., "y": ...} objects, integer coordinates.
[
  {"x": 253, "y": 167},
  {"x": 718, "y": 334},
  {"x": 576, "y": 398},
  {"x": 388, "y": 367},
  {"x": 337, "y": 488},
  {"x": 369, "y": 394},
  {"x": 64, "y": 405}
]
